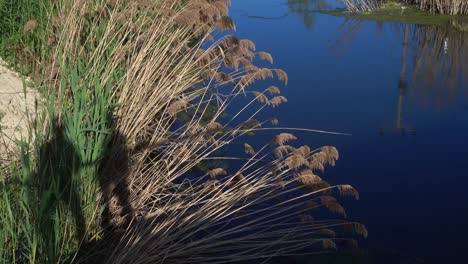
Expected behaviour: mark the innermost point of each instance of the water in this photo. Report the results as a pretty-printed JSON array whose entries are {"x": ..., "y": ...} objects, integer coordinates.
[{"x": 406, "y": 107}]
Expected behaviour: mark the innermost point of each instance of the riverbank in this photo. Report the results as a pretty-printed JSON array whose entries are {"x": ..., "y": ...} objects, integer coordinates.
[{"x": 17, "y": 109}]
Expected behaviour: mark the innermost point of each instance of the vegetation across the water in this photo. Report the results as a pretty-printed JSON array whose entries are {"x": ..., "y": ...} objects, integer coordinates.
[
  {"x": 449, "y": 7},
  {"x": 394, "y": 11}
]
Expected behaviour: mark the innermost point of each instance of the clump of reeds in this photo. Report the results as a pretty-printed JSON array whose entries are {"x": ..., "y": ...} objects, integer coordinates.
[
  {"x": 362, "y": 5},
  {"x": 111, "y": 166}
]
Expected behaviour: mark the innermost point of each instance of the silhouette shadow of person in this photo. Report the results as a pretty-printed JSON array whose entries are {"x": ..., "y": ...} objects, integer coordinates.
[
  {"x": 117, "y": 210},
  {"x": 57, "y": 181}
]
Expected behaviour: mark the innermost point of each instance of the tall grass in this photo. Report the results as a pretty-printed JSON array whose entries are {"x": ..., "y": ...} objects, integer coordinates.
[
  {"x": 26, "y": 45},
  {"x": 108, "y": 174}
]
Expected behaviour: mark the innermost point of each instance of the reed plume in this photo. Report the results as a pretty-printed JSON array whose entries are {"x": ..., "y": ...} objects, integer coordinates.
[{"x": 30, "y": 25}]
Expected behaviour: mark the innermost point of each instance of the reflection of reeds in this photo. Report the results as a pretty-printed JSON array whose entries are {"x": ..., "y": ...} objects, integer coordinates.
[
  {"x": 346, "y": 33},
  {"x": 437, "y": 59},
  {"x": 440, "y": 62},
  {"x": 307, "y": 9},
  {"x": 402, "y": 81}
]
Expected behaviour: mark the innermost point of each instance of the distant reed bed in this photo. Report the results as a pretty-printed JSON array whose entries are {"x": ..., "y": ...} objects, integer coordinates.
[
  {"x": 363, "y": 5},
  {"x": 449, "y": 7},
  {"x": 135, "y": 99}
]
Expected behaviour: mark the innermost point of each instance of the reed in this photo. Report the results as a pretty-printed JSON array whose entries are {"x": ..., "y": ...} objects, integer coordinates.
[
  {"x": 110, "y": 164},
  {"x": 362, "y": 5}
]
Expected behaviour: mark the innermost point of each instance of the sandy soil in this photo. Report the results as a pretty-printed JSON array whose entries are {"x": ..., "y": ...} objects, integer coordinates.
[{"x": 16, "y": 107}]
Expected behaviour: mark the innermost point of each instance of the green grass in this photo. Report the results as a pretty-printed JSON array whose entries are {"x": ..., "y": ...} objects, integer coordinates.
[
  {"x": 24, "y": 51},
  {"x": 18, "y": 237},
  {"x": 51, "y": 204},
  {"x": 49, "y": 200},
  {"x": 392, "y": 12}
]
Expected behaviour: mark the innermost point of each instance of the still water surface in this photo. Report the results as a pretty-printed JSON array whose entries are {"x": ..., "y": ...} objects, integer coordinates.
[{"x": 402, "y": 92}]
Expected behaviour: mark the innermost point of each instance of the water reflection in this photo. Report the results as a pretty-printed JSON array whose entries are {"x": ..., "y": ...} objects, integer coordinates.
[
  {"x": 382, "y": 76},
  {"x": 440, "y": 64},
  {"x": 402, "y": 79},
  {"x": 308, "y": 9},
  {"x": 345, "y": 34},
  {"x": 434, "y": 62},
  {"x": 434, "y": 59}
]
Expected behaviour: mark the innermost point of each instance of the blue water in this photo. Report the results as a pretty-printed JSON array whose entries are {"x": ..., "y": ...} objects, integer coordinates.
[{"x": 408, "y": 152}]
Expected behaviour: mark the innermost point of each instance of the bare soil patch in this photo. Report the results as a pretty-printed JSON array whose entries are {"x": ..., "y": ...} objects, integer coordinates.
[{"x": 17, "y": 107}]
